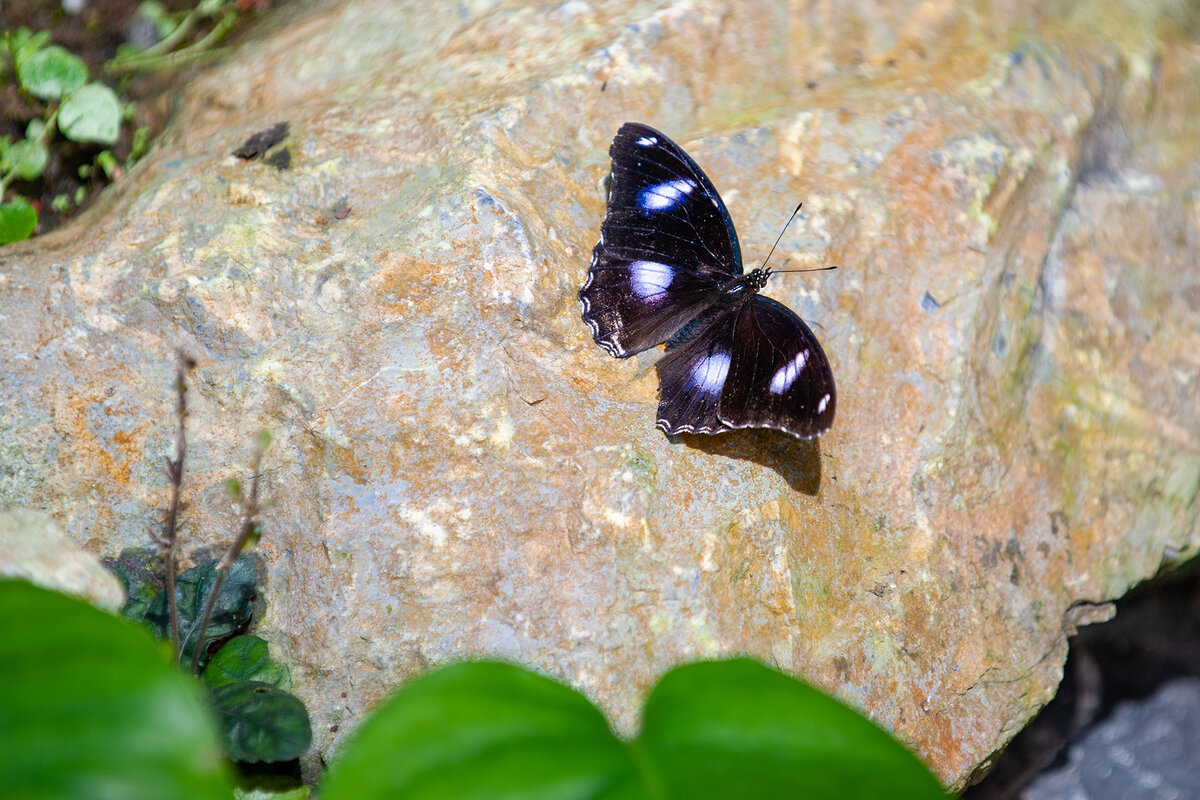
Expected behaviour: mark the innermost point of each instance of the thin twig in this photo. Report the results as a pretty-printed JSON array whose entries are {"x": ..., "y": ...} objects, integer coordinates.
[
  {"x": 174, "y": 470},
  {"x": 159, "y": 59},
  {"x": 249, "y": 527}
]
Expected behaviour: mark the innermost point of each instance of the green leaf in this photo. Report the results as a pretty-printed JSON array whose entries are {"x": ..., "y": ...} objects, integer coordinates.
[
  {"x": 90, "y": 707},
  {"x": 252, "y": 537},
  {"x": 245, "y": 658},
  {"x": 484, "y": 729},
  {"x": 141, "y": 140},
  {"x": 233, "y": 488},
  {"x": 270, "y": 787},
  {"x": 107, "y": 162},
  {"x": 140, "y": 570},
  {"x": 154, "y": 12},
  {"x": 52, "y": 72},
  {"x": 17, "y": 220},
  {"x": 231, "y": 613},
  {"x": 261, "y": 723},
  {"x": 23, "y": 43},
  {"x": 91, "y": 114},
  {"x": 738, "y": 729},
  {"x": 27, "y": 158}
]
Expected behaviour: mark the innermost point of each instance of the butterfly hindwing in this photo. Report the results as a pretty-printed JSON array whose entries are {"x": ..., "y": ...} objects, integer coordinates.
[
  {"x": 693, "y": 375},
  {"x": 667, "y": 245},
  {"x": 779, "y": 376}
]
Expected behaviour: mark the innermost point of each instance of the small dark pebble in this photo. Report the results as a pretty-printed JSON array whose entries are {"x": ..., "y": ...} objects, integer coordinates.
[
  {"x": 280, "y": 159},
  {"x": 262, "y": 141}
]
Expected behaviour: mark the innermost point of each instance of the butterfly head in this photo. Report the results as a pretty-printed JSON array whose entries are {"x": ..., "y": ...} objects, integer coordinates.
[{"x": 758, "y": 278}]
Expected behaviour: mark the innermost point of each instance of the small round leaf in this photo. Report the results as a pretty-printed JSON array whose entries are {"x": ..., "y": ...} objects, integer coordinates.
[
  {"x": 91, "y": 114},
  {"x": 138, "y": 569},
  {"x": 27, "y": 158},
  {"x": 52, "y": 72},
  {"x": 245, "y": 658},
  {"x": 261, "y": 723},
  {"x": 231, "y": 613},
  {"x": 17, "y": 220}
]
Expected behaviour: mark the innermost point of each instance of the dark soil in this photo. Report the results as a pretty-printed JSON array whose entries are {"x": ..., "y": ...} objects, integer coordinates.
[{"x": 93, "y": 35}]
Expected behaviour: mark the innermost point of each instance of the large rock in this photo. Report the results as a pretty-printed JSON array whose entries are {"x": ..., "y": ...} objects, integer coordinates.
[
  {"x": 459, "y": 470},
  {"x": 1145, "y": 749},
  {"x": 33, "y": 547}
]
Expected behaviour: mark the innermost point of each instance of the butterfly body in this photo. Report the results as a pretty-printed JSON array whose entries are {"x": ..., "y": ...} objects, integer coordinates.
[{"x": 668, "y": 269}]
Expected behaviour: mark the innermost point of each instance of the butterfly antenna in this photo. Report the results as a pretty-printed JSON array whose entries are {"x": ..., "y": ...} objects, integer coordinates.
[{"x": 779, "y": 238}]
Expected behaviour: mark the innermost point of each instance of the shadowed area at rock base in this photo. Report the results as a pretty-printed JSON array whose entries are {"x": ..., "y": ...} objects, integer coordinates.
[{"x": 459, "y": 470}]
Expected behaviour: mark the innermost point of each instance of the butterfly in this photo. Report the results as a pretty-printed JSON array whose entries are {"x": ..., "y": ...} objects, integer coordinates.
[{"x": 668, "y": 268}]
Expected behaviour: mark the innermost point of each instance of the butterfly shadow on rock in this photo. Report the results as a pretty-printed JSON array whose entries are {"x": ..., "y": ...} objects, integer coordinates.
[{"x": 798, "y": 461}]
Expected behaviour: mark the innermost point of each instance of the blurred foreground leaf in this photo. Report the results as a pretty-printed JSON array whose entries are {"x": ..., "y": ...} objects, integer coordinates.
[
  {"x": 712, "y": 730},
  {"x": 738, "y": 729},
  {"x": 90, "y": 707}
]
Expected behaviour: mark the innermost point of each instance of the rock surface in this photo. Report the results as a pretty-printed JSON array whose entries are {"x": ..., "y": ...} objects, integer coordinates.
[
  {"x": 458, "y": 470},
  {"x": 34, "y": 547}
]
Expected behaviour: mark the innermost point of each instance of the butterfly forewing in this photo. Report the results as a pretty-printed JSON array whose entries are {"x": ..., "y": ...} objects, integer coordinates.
[
  {"x": 778, "y": 374},
  {"x": 662, "y": 207},
  {"x": 634, "y": 305},
  {"x": 666, "y": 245}
]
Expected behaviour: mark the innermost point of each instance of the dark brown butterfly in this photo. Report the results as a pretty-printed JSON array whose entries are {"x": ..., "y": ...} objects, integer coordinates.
[{"x": 668, "y": 269}]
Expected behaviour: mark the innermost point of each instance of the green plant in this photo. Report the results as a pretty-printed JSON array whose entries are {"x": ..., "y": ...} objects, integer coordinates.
[
  {"x": 211, "y": 602},
  {"x": 173, "y": 29},
  {"x": 710, "y": 729},
  {"x": 62, "y": 105},
  {"x": 56, "y": 82},
  {"x": 89, "y": 702}
]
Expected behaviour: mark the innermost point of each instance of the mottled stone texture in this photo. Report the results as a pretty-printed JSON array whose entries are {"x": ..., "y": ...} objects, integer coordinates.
[
  {"x": 33, "y": 547},
  {"x": 1010, "y": 190}
]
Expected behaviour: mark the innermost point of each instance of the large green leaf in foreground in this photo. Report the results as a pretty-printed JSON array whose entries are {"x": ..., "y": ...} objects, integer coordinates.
[
  {"x": 484, "y": 730},
  {"x": 711, "y": 730},
  {"x": 90, "y": 707},
  {"x": 738, "y": 729}
]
